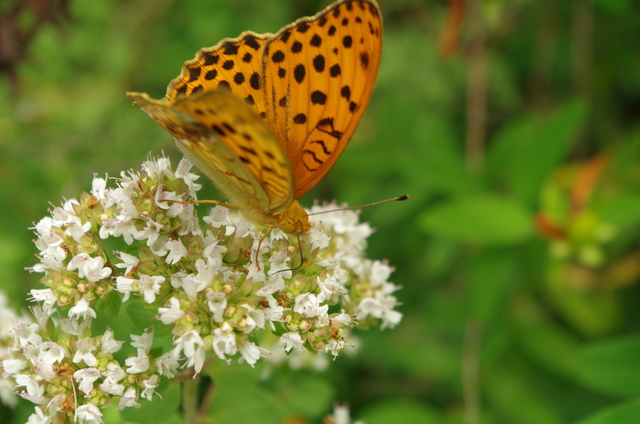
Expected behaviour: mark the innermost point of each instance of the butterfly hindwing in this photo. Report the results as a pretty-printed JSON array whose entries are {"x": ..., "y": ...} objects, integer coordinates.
[{"x": 230, "y": 144}]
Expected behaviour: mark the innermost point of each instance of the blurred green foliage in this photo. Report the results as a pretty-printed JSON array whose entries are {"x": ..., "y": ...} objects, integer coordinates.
[{"x": 520, "y": 274}]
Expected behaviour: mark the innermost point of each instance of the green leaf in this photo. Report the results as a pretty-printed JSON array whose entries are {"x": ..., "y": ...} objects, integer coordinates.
[
  {"x": 143, "y": 318},
  {"x": 620, "y": 414},
  {"x": 401, "y": 411},
  {"x": 481, "y": 219},
  {"x": 534, "y": 147},
  {"x": 157, "y": 410},
  {"x": 239, "y": 397},
  {"x": 490, "y": 273},
  {"x": 612, "y": 367},
  {"x": 623, "y": 211},
  {"x": 309, "y": 395},
  {"x": 109, "y": 305}
]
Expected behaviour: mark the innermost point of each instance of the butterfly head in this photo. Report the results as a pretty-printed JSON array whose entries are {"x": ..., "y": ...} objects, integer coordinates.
[{"x": 294, "y": 220}]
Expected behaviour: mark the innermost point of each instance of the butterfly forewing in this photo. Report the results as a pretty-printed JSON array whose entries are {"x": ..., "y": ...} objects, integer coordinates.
[
  {"x": 234, "y": 64},
  {"x": 319, "y": 77}
]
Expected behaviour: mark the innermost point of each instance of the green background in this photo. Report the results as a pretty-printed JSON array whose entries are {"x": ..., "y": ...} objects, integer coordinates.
[{"x": 503, "y": 322}]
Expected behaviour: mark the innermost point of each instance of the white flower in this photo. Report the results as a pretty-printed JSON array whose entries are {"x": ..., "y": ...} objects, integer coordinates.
[
  {"x": 308, "y": 305},
  {"x": 109, "y": 344},
  {"x": 330, "y": 287},
  {"x": 218, "y": 216},
  {"x": 343, "y": 318},
  {"x": 150, "y": 286},
  {"x": 51, "y": 353},
  {"x": 125, "y": 286},
  {"x": 89, "y": 414},
  {"x": 280, "y": 263},
  {"x": 138, "y": 364},
  {"x": 380, "y": 306},
  {"x": 177, "y": 251},
  {"x": 34, "y": 391},
  {"x": 255, "y": 318},
  {"x": 46, "y": 296},
  {"x": 149, "y": 386},
  {"x": 129, "y": 399},
  {"x": 84, "y": 353},
  {"x": 143, "y": 341},
  {"x": 191, "y": 345},
  {"x": 213, "y": 252},
  {"x": 92, "y": 269},
  {"x": 217, "y": 302},
  {"x": 76, "y": 231},
  {"x": 38, "y": 417},
  {"x": 128, "y": 261},
  {"x": 110, "y": 385},
  {"x": 98, "y": 187},
  {"x": 189, "y": 178},
  {"x": 274, "y": 312},
  {"x": 224, "y": 341},
  {"x": 112, "y": 376},
  {"x": 168, "y": 364},
  {"x": 380, "y": 273},
  {"x": 250, "y": 352},
  {"x": 82, "y": 309},
  {"x": 341, "y": 415},
  {"x": 291, "y": 340},
  {"x": 86, "y": 377},
  {"x": 13, "y": 366},
  {"x": 334, "y": 347},
  {"x": 171, "y": 314}
]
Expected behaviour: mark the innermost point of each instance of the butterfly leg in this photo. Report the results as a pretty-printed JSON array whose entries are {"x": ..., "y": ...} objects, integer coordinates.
[
  {"x": 301, "y": 258},
  {"x": 264, "y": 236},
  {"x": 201, "y": 202}
]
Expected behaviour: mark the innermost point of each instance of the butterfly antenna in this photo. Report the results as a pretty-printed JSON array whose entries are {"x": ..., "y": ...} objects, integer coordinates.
[{"x": 395, "y": 199}]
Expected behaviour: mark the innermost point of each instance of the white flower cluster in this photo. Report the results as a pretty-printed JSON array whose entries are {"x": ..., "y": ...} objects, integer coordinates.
[{"x": 218, "y": 286}]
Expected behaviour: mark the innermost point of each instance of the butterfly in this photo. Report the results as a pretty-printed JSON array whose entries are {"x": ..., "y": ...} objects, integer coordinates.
[{"x": 265, "y": 116}]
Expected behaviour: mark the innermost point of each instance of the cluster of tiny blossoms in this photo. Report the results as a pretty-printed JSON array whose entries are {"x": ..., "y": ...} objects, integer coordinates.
[{"x": 218, "y": 285}]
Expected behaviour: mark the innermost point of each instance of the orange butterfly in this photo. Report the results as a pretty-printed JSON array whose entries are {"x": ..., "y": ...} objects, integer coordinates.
[{"x": 266, "y": 116}]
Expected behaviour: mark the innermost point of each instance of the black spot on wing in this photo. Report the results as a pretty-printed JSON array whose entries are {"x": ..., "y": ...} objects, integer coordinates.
[
  {"x": 230, "y": 48},
  {"x": 254, "y": 81},
  {"x": 210, "y": 58},
  {"x": 212, "y": 74},
  {"x": 298, "y": 73},
  {"x": 194, "y": 73},
  {"x": 346, "y": 92},
  {"x": 318, "y": 63},
  {"x": 316, "y": 41},
  {"x": 364, "y": 60},
  {"x": 277, "y": 57},
  {"x": 250, "y": 40},
  {"x": 318, "y": 97}
]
